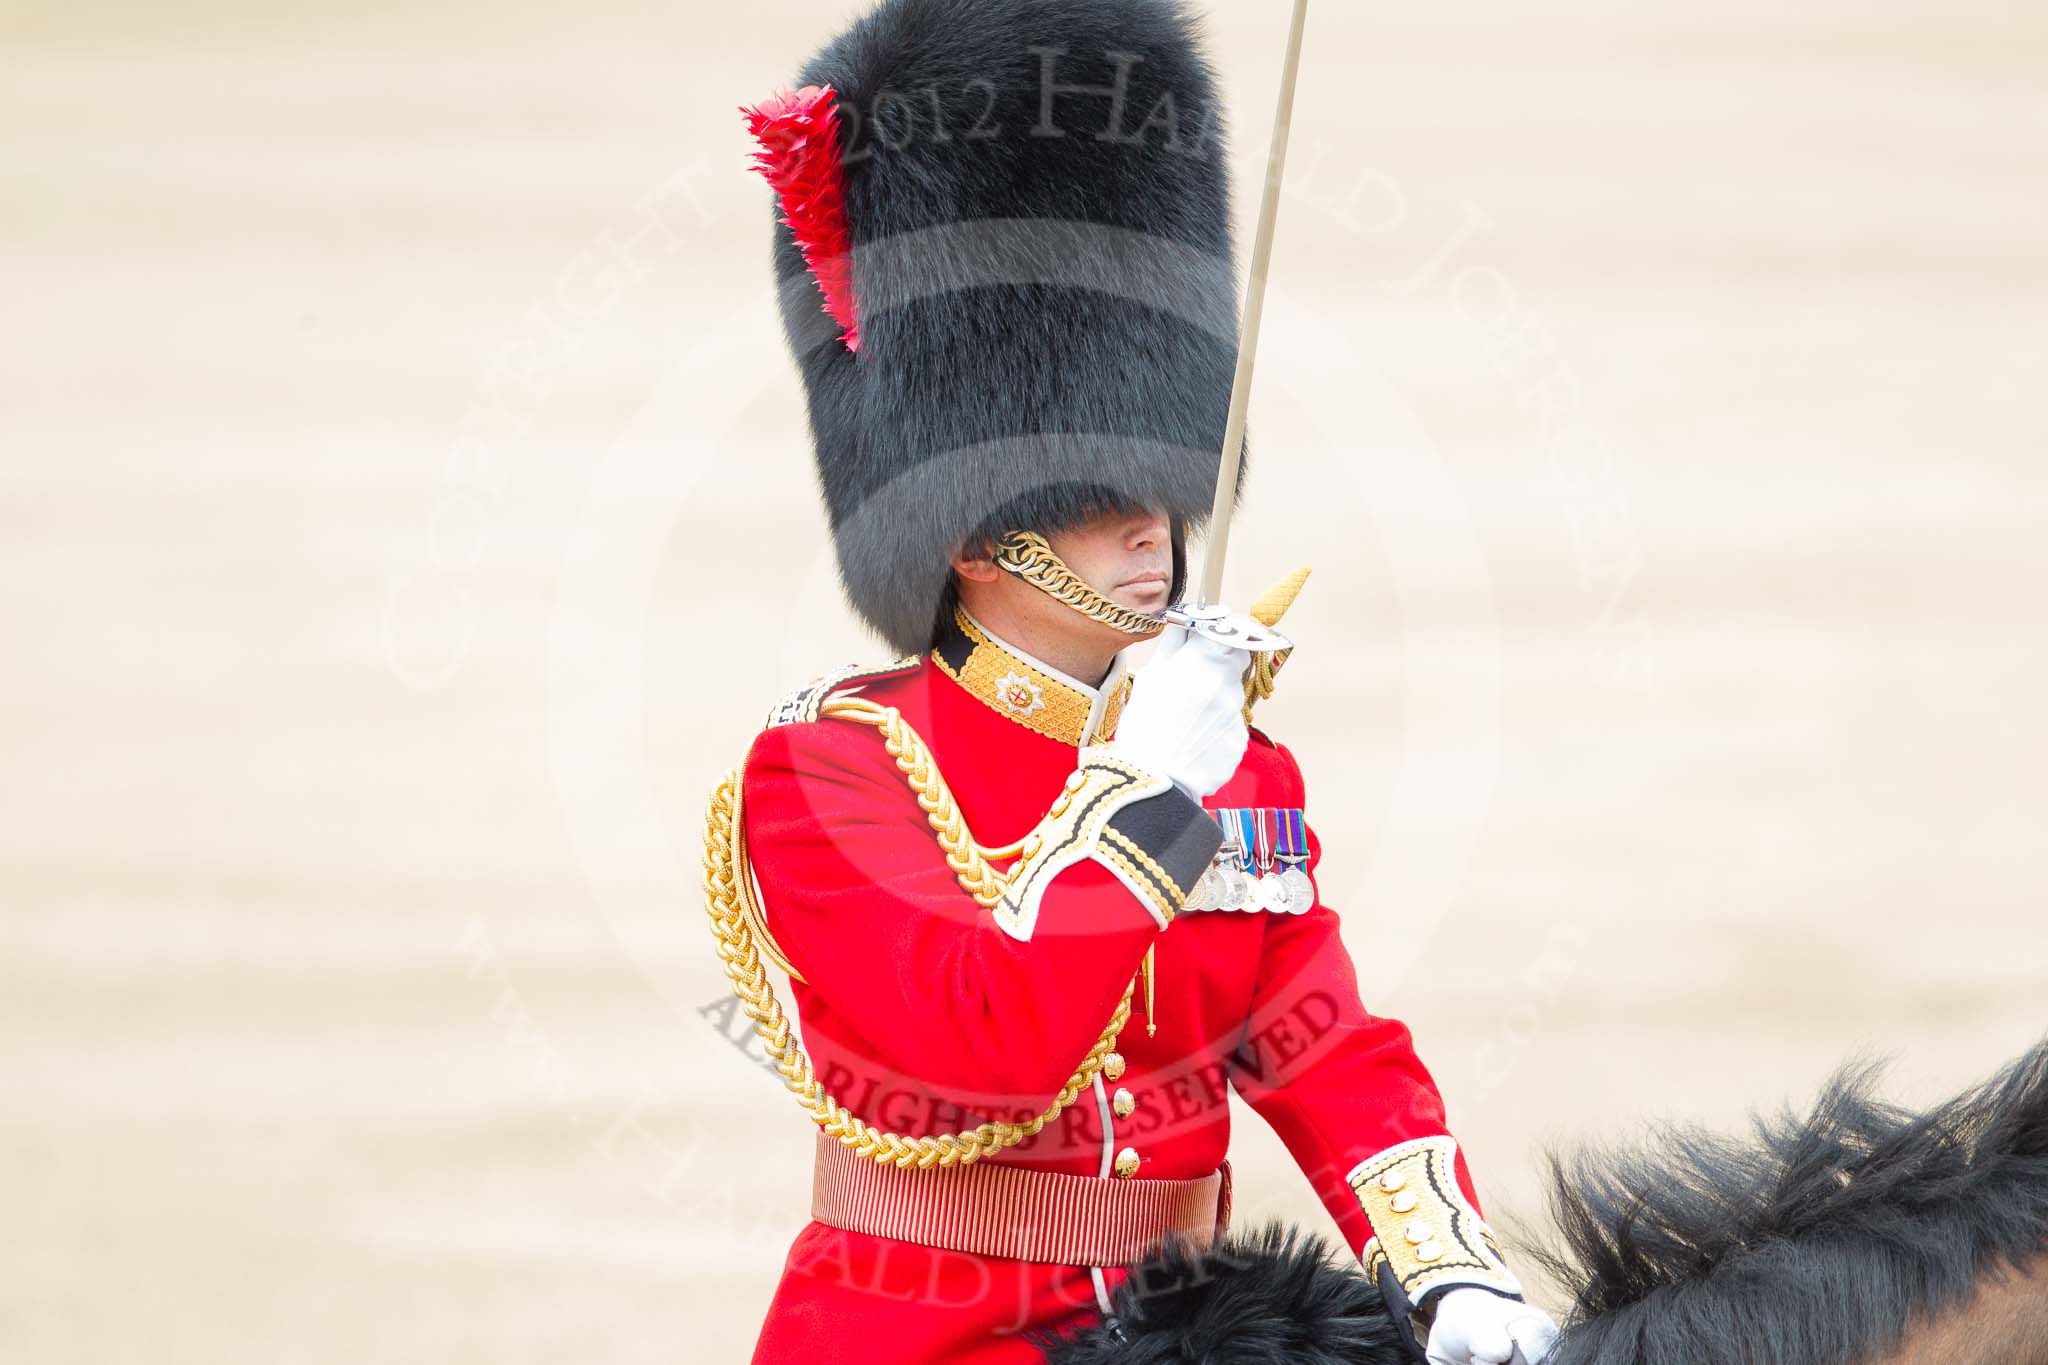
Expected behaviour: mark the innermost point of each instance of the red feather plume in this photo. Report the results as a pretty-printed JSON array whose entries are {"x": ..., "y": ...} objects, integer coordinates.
[{"x": 800, "y": 158}]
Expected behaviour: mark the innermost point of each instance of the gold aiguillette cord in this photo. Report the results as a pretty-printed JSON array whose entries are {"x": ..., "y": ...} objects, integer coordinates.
[{"x": 1151, "y": 1013}]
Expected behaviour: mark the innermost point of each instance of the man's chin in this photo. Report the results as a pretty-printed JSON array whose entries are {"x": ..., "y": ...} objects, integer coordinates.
[{"x": 1152, "y": 601}]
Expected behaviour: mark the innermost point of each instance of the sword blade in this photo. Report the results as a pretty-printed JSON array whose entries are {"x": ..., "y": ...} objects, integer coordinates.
[{"x": 1218, "y": 545}]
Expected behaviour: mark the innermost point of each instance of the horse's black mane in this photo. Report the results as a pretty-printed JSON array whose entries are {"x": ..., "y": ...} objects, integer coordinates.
[
  {"x": 1263, "y": 1297},
  {"x": 1820, "y": 1239}
]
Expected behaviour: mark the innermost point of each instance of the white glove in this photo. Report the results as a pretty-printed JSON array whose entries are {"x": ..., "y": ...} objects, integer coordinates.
[
  {"x": 1479, "y": 1327},
  {"x": 1185, "y": 720}
]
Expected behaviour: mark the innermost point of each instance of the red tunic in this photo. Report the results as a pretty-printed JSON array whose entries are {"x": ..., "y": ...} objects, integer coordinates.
[{"x": 925, "y": 1012}]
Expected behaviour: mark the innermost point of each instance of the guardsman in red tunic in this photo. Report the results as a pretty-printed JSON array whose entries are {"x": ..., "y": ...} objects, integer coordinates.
[{"x": 1039, "y": 915}]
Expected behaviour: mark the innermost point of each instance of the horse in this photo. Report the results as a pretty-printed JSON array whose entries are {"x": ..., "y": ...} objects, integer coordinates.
[{"x": 1859, "y": 1232}]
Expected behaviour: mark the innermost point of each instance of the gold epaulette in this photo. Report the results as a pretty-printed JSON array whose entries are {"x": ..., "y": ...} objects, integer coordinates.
[{"x": 806, "y": 702}]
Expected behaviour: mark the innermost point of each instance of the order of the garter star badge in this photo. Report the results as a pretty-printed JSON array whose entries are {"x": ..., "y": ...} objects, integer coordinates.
[{"x": 1019, "y": 693}]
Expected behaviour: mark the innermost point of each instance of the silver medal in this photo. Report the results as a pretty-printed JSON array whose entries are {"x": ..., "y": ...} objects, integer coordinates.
[
  {"x": 1203, "y": 896},
  {"x": 1231, "y": 886},
  {"x": 1298, "y": 893}
]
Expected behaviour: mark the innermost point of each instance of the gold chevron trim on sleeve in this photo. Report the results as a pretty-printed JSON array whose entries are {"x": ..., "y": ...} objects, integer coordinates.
[{"x": 1424, "y": 1230}]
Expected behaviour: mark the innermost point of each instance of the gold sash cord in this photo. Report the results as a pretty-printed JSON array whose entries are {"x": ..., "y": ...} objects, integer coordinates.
[{"x": 742, "y": 940}]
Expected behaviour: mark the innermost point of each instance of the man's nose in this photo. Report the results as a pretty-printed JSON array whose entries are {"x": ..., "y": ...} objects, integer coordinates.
[{"x": 1147, "y": 529}]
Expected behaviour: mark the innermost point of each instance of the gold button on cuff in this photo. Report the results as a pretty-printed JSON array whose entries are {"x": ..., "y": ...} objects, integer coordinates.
[
  {"x": 1418, "y": 1233},
  {"x": 1393, "y": 1181},
  {"x": 1127, "y": 1164},
  {"x": 1076, "y": 780},
  {"x": 1123, "y": 1103},
  {"x": 1113, "y": 1066},
  {"x": 1429, "y": 1251},
  {"x": 1404, "y": 1202}
]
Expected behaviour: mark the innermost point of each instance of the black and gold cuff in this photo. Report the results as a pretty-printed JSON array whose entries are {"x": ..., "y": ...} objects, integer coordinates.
[{"x": 1152, "y": 836}]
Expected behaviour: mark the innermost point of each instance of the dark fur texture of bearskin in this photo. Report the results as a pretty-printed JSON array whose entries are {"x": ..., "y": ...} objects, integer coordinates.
[
  {"x": 1045, "y": 282},
  {"x": 1274, "y": 1295}
]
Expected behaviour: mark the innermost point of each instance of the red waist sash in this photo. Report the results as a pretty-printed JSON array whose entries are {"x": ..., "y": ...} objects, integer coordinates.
[{"x": 1017, "y": 1214}]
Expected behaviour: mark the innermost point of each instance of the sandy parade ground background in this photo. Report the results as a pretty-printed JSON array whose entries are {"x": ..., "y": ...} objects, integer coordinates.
[{"x": 409, "y": 515}]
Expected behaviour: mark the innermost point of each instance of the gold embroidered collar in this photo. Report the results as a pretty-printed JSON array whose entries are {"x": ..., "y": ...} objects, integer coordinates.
[{"x": 1035, "y": 695}]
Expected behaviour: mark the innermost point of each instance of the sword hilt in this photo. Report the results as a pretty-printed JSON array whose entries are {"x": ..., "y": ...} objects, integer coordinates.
[{"x": 1227, "y": 627}]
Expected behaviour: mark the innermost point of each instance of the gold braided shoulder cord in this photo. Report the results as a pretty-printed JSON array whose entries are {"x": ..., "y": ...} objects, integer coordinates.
[{"x": 734, "y": 917}]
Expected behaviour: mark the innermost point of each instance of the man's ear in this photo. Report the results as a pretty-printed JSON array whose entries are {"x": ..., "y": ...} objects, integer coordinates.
[{"x": 975, "y": 560}]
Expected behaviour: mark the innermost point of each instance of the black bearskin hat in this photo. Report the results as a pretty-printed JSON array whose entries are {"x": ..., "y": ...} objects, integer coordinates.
[{"x": 1005, "y": 264}]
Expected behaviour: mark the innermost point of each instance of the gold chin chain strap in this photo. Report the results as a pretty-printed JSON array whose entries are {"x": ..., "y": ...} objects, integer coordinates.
[
  {"x": 743, "y": 939},
  {"x": 1026, "y": 554}
]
